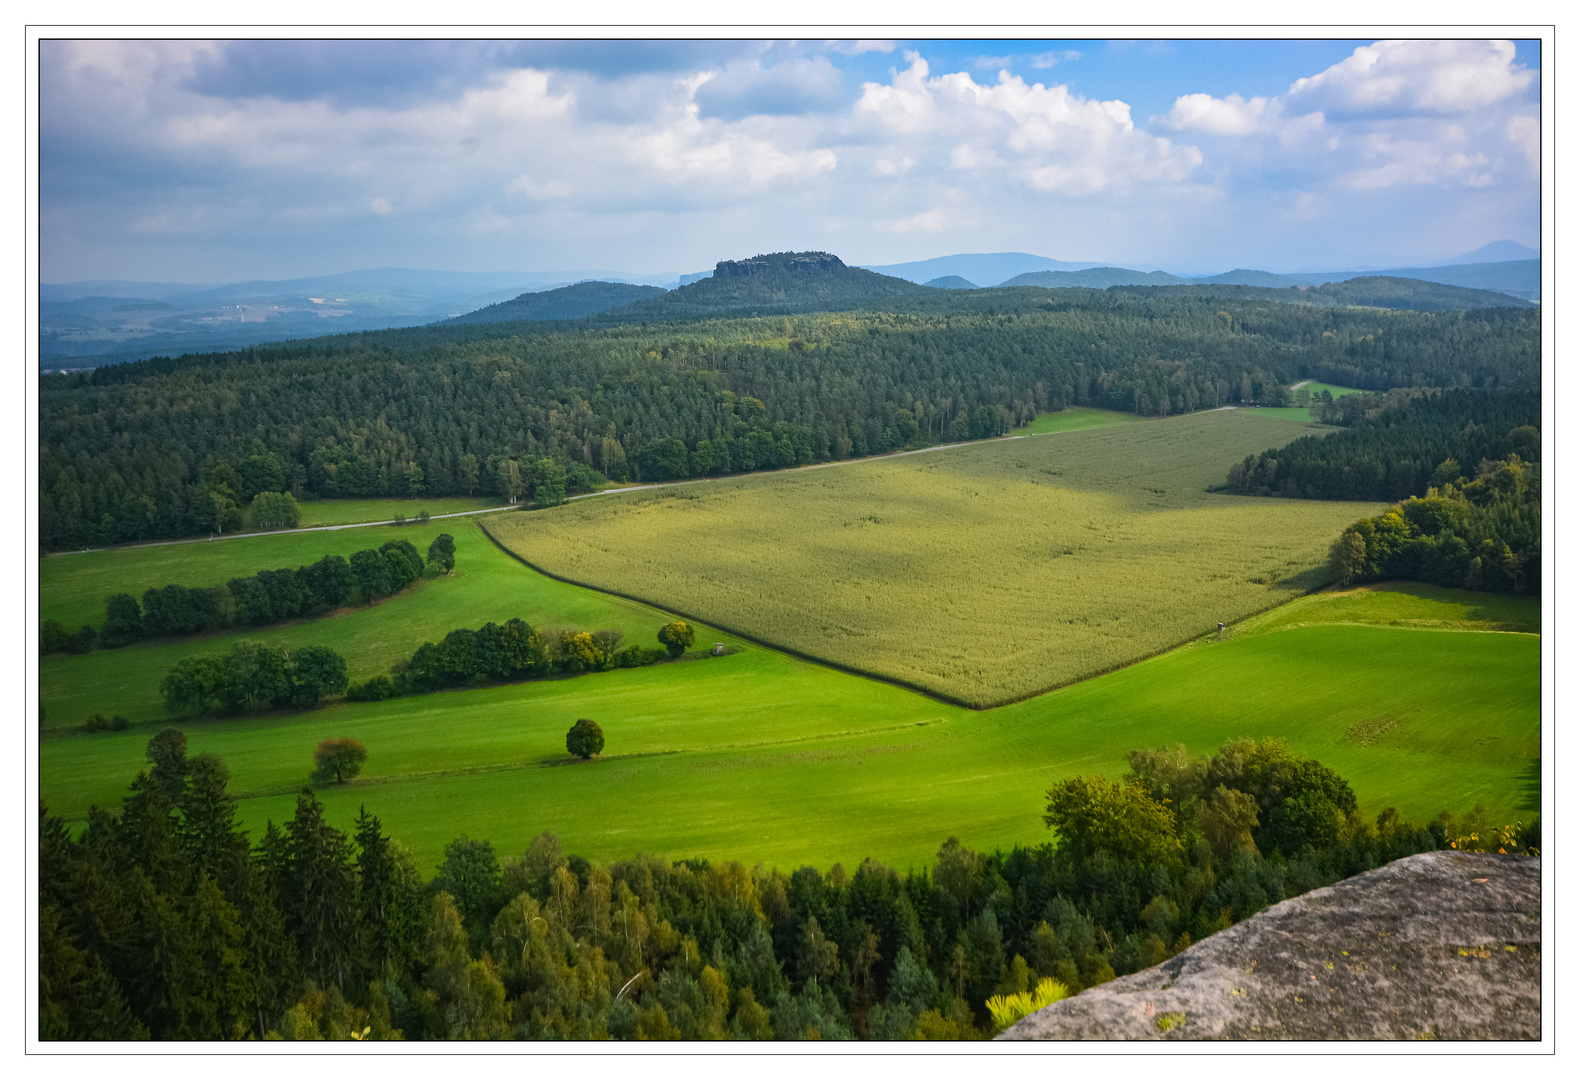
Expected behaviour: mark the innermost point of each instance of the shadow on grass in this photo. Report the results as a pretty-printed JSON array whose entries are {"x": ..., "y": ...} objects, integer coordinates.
[{"x": 1529, "y": 786}]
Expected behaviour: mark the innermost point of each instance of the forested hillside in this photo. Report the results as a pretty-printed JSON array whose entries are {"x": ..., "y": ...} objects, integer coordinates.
[
  {"x": 170, "y": 447},
  {"x": 1400, "y": 294},
  {"x": 1400, "y": 448},
  {"x": 571, "y": 302}
]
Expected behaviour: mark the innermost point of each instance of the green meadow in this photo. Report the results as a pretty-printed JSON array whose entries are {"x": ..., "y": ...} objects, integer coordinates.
[
  {"x": 1405, "y": 603},
  {"x": 354, "y": 511},
  {"x": 760, "y": 757},
  {"x": 487, "y": 584},
  {"x": 1077, "y": 418}
]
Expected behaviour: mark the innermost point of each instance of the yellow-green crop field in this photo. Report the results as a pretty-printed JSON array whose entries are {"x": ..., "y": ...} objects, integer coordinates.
[{"x": 983, "y": 574}]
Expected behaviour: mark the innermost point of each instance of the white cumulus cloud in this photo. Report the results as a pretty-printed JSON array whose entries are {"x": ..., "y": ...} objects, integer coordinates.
[{"x": 1392, "y": 114}]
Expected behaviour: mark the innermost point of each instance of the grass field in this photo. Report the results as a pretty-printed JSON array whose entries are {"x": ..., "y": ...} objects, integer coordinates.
[
  {"x": 1404, "y": 603},
  {"x": 1337, "y": 391},
  {"x": 760, "y": 757},
  {"x": 487, "y": 584},
  {"x": 352, "y": 511},
  {"x": 984, "y": 573},
  {"x": 1076, "y": 418}
]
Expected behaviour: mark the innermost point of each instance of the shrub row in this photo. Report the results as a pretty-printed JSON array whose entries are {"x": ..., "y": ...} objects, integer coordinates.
[
  {"x": 513, "y": 652},
  {"x": 268, "y": 596}
]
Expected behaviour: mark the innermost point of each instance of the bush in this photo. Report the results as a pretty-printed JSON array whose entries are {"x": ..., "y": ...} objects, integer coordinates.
[
  {"x": 636, "y": 656},
  {"x": 119, "y": 723},
  {"x": 375, "y": 689},
  {"x": 52, "y": 637},
  {"x": 82, "y": 640},
  {"x": 96, "y": 722},
  {"x": 584, "y": 739}
]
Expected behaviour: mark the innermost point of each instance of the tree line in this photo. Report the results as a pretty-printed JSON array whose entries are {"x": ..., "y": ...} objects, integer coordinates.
[
  {"x": 514, "y": 652},
  {"x": 1395, "y": 445},
  {"x": 268, "y": 596},
  {"x": 253, "y": 677},
  {"x": 173, "y": 447},
  {"x": 167, "y": 921},
  {"x": 1483, "y": 534}
]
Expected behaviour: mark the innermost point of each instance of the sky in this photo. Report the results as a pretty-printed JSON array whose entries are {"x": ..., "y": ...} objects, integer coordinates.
[{"x": 217, "y": 161}]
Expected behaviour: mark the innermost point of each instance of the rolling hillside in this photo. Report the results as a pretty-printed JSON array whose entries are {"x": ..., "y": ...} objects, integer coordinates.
[{"x": 571, "y": 302}]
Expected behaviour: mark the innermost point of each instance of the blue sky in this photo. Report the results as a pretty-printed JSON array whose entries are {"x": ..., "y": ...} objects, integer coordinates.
[{"x": 223, "y": 161}]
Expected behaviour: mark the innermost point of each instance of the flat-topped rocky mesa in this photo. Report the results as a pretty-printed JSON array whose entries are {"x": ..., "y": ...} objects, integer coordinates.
[
  {"x": 1445, "y": 945},
  {"x": 795, "y": 262}
]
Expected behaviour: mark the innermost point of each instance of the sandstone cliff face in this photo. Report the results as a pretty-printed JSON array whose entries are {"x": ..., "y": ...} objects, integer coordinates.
[{"x": 1445, "y": 945}]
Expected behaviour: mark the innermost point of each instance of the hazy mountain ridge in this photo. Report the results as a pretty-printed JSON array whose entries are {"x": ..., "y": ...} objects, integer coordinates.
[
  {"x": 83, "y": 324},
  {"x": 1100, "y": 277},
  {"x": 986, "y": 269}
]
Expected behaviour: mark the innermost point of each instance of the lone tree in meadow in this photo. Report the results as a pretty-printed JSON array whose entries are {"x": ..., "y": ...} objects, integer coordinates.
[
  {"x": 677, "y": 637},
  {"x": 338, "y": 760},
  {"x": 584, "y": 739}
]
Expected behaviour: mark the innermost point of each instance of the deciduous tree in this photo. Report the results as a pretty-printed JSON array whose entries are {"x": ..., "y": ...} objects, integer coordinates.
[
  {"x": 338, "y": 760},
  {"x": 585, "y": 739},
  {"x": 677, "y": 637}
]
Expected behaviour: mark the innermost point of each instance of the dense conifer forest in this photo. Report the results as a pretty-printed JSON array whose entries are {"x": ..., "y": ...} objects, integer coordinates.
[
  {"x": 1397, "y": 446},
  {"x": 173, "y": 447}
]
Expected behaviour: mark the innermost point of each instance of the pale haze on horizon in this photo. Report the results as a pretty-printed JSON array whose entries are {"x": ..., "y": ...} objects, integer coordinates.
[{"x": 200, "y": 161}]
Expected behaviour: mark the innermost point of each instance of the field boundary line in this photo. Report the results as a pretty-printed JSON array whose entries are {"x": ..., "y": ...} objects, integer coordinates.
[{"x": 808, "y": 658}]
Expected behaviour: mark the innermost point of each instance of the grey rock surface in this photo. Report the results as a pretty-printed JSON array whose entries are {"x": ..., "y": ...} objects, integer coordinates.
[{"x": 1445, "y": 945}]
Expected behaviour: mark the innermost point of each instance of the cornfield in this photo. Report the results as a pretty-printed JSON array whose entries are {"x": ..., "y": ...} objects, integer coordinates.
[{"x": 982, "y": 574}]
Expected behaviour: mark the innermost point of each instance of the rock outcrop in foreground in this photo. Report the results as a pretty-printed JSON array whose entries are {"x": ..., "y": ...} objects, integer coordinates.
[{"x": 1445, "y": 945}]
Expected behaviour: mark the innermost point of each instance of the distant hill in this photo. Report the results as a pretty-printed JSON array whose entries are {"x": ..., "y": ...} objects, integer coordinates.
[
  {"x": 989, "y": 269},
  {"x": 1411, "y": 294},
  {"x": 1101, "y": 277},
  {"x": 1250, "y": 277},
  {"x": 1403, "y": 294},
  {"x": 1497, "y": 251},
  {"x": 783, "y": 283},
  {"x": 1520, "y": 277},
  {"x": 571, "y": 302},
  {"x": 950, "y": 281}
]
